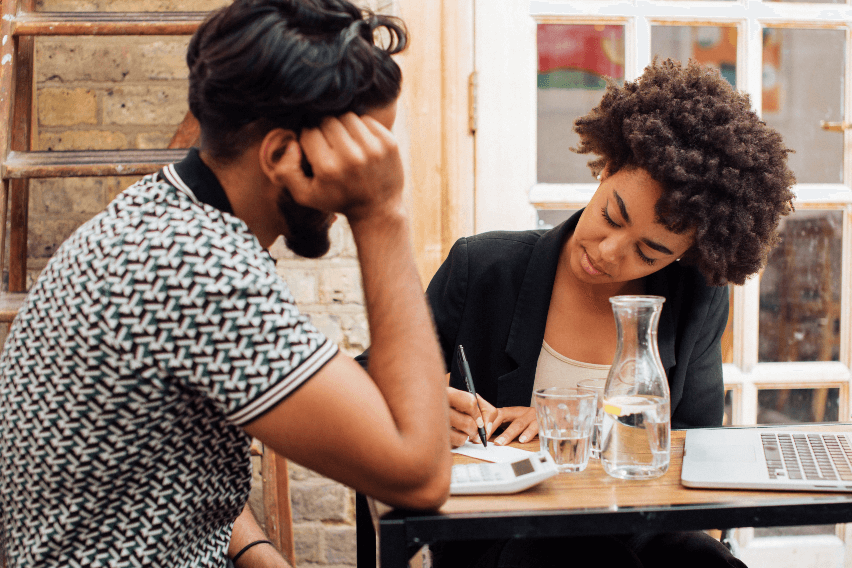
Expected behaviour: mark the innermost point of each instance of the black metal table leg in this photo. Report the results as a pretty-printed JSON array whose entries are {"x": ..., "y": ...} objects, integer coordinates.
[
  {"x": 365, "y": 535},
  {"x": 393, "y": 550}
]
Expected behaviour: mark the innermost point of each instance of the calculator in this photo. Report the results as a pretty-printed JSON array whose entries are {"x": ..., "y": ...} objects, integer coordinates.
[{"x": 484, "y": 478}]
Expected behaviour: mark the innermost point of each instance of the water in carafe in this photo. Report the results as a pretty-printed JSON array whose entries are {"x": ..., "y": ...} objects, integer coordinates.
[{"x": 636, "y": 422}]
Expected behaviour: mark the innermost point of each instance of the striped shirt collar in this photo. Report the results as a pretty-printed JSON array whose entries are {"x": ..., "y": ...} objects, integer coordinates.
[{"x": 192, "y": 176}]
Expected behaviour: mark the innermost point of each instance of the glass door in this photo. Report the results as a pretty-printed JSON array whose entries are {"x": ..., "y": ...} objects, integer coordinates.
[{"x": 787, "y": 349}]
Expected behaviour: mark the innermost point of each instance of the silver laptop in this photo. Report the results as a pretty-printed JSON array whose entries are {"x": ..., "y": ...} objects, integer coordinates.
[{"x": 767, "y": 458}]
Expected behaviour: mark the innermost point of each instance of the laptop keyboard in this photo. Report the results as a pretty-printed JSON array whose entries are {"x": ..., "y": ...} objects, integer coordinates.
[{"x": 808, "y": 456}]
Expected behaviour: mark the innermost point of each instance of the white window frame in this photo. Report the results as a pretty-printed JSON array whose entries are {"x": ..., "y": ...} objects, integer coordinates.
[{"x": 506, "y": 152}]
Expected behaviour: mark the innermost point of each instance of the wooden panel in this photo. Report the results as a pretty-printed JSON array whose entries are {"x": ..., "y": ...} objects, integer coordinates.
[
  {"x": 106, "y": 23},
  {"x": 433, "y": 113},
  {"x": 21, "y": 165},
  {"x": 276, "y": 503},
  {"x": 728, "y": 335},
  {"x": 19, "y": 190},
  {"x": 7, "y": 76},
  {"x": 420, "y": 114},
  {"x": 8, "y": 51},
  {"x": 188, "y": 133},
  {"x": 4, "y": 216},
  {"x": 457, "y": 190}
]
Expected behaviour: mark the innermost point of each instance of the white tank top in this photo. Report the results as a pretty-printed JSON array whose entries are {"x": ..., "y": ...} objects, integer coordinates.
[{"x": 555, "y": 370}]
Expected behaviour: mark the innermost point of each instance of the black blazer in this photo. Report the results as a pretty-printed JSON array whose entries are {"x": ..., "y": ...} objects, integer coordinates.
[{"x": 492, "y": 294}]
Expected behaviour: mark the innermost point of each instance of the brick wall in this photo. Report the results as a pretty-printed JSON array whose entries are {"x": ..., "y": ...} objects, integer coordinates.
[{"x": 126, "y": 93}]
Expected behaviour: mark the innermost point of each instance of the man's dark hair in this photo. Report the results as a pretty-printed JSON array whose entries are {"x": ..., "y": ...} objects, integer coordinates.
[
  {"x": 723, "y": 170},
  {"x": 256, "y": 65}
]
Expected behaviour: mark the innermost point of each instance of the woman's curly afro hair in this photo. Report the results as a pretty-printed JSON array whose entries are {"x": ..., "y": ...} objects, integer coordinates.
[{"x": 723, "y": 170}]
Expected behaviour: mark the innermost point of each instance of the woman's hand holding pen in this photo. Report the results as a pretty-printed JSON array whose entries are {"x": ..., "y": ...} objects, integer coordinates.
[
  {"x": 464, "y": 411},
  {"x": 463, "y": 415}
]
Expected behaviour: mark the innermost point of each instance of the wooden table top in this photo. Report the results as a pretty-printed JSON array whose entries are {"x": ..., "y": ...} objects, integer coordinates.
[
  {"x": 594, "y": 489},
  {"x": 592, "y": 502}
]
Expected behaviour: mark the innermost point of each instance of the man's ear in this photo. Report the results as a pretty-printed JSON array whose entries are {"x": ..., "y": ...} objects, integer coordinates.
[{"x": 273, "y": 148}]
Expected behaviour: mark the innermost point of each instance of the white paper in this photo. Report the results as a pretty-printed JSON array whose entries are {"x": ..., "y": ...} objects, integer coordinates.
[{"x": 493, "y": 453}]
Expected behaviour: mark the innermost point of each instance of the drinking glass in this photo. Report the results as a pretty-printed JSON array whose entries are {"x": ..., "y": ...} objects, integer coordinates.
[
  {"x": 596, "y": 385},
  {"x": 565, "y": 418}
]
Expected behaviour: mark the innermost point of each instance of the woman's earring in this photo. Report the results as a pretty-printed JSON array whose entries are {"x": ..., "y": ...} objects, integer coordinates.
[{"x": 599, "y": 177}]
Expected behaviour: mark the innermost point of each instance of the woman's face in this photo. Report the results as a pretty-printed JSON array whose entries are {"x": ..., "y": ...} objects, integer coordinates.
[{"x": 617, "y": 238}]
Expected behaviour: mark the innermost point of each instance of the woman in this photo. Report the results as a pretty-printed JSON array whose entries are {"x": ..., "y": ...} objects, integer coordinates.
[{"x": 692, "y": 187}]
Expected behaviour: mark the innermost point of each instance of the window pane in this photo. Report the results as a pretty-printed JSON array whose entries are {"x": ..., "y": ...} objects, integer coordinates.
[
  {"x": 128, "y": 5},
  {"x": 727, "y": 419},
  {"x": 807, "y": 530},
  {"x": 549, "y": 218},
  {"x": 800, "y": 290},
  {"x": 714, "y": 46},
  {"x": 803, "y": 85},
  {"x": 793, "y": 406},
  {"x": 573, "y": 62}
]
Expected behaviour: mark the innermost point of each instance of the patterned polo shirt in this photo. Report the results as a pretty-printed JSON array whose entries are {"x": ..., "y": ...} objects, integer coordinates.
[{"x": 155, "y": 332}]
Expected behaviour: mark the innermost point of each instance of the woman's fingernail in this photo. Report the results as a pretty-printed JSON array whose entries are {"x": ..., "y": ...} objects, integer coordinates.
[
  {"x": 522, "y": 439},
  {"x": 500, "y": 441}
]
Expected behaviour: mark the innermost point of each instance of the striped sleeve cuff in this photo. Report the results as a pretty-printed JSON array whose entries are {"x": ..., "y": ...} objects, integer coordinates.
[{"x": 279, "y": 391}]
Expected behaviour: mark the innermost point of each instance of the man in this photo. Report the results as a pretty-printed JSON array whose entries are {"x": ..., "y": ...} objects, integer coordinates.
[{"x": 159, "y": 338}]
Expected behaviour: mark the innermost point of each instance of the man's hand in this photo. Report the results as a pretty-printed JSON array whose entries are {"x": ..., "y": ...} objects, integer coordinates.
[
  {"x": 521, "y": 420},
  {"x": 356, "y": 165}
]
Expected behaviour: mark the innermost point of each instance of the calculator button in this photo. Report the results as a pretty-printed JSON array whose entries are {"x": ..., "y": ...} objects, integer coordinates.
[{"x": 459, "y": 475}]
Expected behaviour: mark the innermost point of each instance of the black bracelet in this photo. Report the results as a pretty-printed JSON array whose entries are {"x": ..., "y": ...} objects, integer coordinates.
[{"x": 246, "y": 547}]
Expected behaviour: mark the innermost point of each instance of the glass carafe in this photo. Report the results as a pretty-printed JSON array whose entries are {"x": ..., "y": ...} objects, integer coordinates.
[{"x": 636, "y": 423}]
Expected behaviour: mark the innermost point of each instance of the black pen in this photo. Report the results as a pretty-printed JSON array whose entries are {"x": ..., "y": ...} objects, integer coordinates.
[{"x": 465, "y": 371}]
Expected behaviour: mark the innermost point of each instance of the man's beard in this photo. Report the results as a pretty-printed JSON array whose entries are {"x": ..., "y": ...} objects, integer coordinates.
[{"x": 307, "y": 227}]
